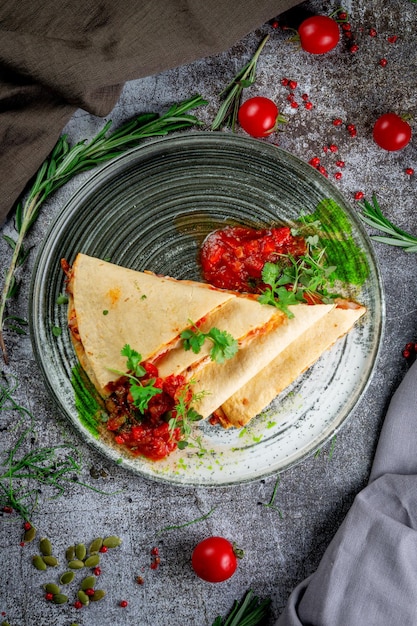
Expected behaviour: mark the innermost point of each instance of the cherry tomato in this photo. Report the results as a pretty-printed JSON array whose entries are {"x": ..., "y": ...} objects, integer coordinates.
[
  {"x": 214, "y": 559},
  {"x": 258, "y": 116},
  {"x": 318, "y": 34},
  {"x": 391, "y": 132}
]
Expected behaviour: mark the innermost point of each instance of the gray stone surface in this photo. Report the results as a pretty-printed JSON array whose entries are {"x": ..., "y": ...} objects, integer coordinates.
[{"x": 313, "y": 497}]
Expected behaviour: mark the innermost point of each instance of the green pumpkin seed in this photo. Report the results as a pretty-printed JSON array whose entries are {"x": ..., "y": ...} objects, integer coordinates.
[
  {"x": 92, "y": 561},
  {"x": 52, "y": 588},
  {"x": 66, "y": 578},
  {"x": 88, "y": 583},
  {"x": 95, "y": 545},
  {"x": 39, "y": 563},
  {"x": 83, "y": 597},
  {"x": 60, "y": 598},
  {"x": 29, "y": 534},
  {"x": 45, "y": 547},
  {"x": 98, "y": 595},
  {"x": 51, "y": 561},
  {"x": 7, "y": 624},
  {"x": 70, "y": 553},
  {"x": 76, "y": 564},
  {"x": 112, "y": 541},
  {"x": 80, "y": 551}
]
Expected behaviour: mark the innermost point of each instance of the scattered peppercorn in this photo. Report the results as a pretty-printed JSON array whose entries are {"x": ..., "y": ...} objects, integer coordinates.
[{"x": 123, "y": 603}]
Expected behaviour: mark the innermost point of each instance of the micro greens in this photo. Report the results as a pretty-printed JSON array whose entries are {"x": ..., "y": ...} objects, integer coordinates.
[
  {"x": 232, "y": 93},
  {"x": 184, "y": 414},
  {"x": 291, "y": 280},
  {"x": 224, "y": 345},
  {"x": 23, "y": 473},
  {"x": 249, "y": 612},
  {"x": 66, "y": 161},
  {"x": 373, "y": 216}
]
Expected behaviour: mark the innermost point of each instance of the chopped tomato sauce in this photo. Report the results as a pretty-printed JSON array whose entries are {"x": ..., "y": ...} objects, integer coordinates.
[
  {"x": 233, "y": 258},
  {"x": 146, "y": 434}
]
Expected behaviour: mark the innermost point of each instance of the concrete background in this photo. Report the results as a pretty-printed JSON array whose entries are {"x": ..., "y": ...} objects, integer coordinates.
[{"x": 281, "y": 547}]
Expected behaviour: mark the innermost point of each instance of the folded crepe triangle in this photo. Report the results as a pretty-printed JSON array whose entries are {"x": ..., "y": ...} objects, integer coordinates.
[{"x": 111, "y": 306}]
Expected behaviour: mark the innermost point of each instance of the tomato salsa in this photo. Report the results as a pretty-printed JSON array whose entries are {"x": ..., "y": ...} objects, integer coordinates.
[
  {"x": 146, "y": 433},
  {"x": 233, "y": 258}
]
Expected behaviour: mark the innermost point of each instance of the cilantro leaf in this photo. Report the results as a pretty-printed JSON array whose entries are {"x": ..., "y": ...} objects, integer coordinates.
[
  {"x": 143, "y": 393},
  {"x": 224, "y": 345},
  {"x": 133, "y": 360},
  {"x": 192, "y": 340}
]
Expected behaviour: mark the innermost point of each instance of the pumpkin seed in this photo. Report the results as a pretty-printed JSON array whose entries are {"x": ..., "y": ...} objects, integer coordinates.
[
  {"x": 52, "y": 588},
  {"x": 80, "y": 551},
  {"x": 45, "y": 547},
  {"x": 112, "y": 541},
  {"x": 88, "y": 583},
  {"x": 39, "y": 563},
  {"x": 51, "y": 561},
  {"x": 95, "y": 545},
  {"x": 70, "y": 553},
  {"x": 76, "y": 564},
  {"x": 7, "y": 624},
  {"x": 66, "y": 578},
  {"x": 83, "y": 597},
  {"x": 60, "y": 598},
  {"x": 29, "y": 534},
  {"x": 98, "y": 595},
  {"x": 92, "y": 561}
]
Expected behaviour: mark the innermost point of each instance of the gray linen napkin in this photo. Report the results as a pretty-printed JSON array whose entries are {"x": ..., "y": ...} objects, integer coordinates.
[{"x": 368, "y": 574}]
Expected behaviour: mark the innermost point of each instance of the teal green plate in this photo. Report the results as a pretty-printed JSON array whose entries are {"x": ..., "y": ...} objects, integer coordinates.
[{"x": 150, "y": 209}]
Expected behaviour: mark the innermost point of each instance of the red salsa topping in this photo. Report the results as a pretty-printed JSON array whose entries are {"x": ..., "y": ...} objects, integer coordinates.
[
  {"x": 233, "y": 258},
  {"x": 147, "y": 434}
]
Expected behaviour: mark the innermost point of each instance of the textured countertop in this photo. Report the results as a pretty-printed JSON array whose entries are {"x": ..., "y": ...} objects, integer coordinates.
[{"x": 282, "y": 545}]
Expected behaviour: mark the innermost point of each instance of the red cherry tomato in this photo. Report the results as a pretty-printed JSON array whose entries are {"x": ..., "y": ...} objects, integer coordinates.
[
  {"x": 258, "y": 116},
  {"x": 391, "y": 132},
  {"x": 214, "y": 559},
  {"x": 318, "y": 34}
]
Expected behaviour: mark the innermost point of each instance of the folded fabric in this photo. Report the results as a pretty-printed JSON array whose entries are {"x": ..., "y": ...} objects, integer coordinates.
[
  {"x": 367, "y": 576},
  {"x": 56, "y": 57}
]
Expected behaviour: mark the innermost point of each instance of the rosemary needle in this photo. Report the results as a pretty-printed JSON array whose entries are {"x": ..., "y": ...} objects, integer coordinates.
[
  {"x": 394, "y": 236},
  {"x": 66, "y": 161}
]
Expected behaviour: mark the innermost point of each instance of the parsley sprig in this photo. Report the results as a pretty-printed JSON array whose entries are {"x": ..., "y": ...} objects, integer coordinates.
[
  {"x": 184, "y": 414},
  {"x": 291, "y": 279},
  {"x": 141, "y": 390},
  {"x": 66, "y": 161},
  {"x": 224, "y": 345}
]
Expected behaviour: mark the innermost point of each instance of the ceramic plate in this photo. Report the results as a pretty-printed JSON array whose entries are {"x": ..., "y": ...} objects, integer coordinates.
[{"x": 150, "y": 209}]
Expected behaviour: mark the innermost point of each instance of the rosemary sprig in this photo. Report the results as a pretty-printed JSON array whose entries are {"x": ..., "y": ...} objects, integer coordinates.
[
  {"x": 232, "y": 93},
  {"x": 249, "y": 612},
  {"x": 65, "y": 162},
  {"x": 22, "y": 474},
  {"x": 373, "y": 216}
]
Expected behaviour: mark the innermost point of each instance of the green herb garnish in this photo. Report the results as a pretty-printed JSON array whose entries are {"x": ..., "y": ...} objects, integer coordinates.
[
  {"x": 142, "y": 391},
  {"x": 292, "y": 280},
  {"x": 248, "y": 612},
  {"x": 224, "y": 345},
  {"x": 66, "y": 161},
  {"x": 22, "y": 473},
  {"x": 395, "y": 236},
  {"x": 232, "y": 93},
  {"x": 184, "y": 414}
]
